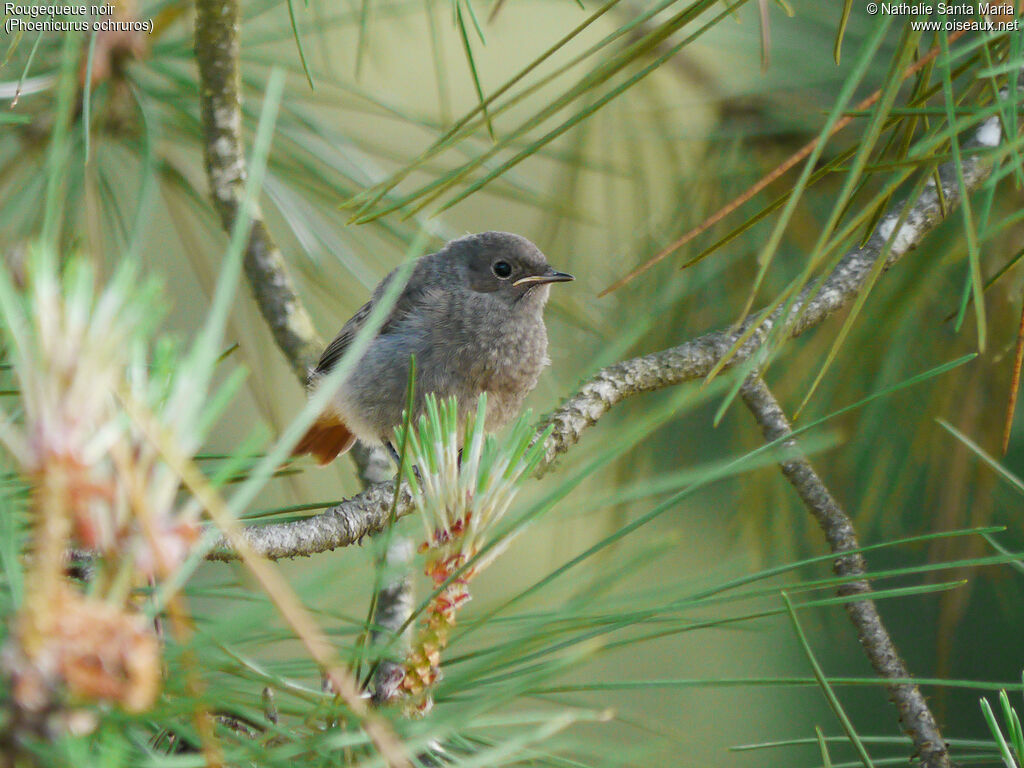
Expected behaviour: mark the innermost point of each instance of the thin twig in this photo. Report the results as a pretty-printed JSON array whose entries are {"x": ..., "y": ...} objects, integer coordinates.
[
  {"x": 393, "y": 602},
  {"x": 392, "y": 608},
  {"x": 915, "y": 716},
  {"x": 347, "y": 523},
  {"x": 217, "y": 46}
]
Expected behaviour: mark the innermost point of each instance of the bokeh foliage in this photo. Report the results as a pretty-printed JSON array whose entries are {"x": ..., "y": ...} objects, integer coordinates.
[{"x": 603, "y": 132}]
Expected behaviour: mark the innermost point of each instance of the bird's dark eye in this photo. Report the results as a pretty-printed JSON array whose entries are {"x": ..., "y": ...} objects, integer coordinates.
[{"x": 501, "y": 269}]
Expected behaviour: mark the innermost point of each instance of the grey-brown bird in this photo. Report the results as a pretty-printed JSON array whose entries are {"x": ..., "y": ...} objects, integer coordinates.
[{"x": 472, "y": 314}]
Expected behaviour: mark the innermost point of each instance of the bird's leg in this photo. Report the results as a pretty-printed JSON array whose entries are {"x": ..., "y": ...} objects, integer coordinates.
[
  {"x": 394, "y": 454},
  {"x": 398, "y": 459}
]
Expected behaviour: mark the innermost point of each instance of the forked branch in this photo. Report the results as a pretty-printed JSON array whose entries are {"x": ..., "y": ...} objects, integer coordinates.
[{"x": 367, "y": 513}]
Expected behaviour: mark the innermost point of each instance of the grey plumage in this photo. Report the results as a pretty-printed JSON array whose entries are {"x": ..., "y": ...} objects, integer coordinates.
[{"x": 472, "y": 313}]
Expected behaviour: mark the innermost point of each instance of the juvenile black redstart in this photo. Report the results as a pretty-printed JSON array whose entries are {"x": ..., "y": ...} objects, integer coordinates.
[{"x": 472, "y": 314}]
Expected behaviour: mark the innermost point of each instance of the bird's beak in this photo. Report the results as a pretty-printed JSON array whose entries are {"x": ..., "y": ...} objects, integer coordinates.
[{"x": 551, "y": 276}]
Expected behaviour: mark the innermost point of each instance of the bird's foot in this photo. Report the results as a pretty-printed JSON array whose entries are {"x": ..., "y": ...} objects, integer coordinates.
[{"x": 398, "y": 460}]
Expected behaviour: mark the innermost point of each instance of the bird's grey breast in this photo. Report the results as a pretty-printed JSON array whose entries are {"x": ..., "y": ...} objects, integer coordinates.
[
  {"x": 489, "y": 346},
  {"x": 465, "y": 343}
]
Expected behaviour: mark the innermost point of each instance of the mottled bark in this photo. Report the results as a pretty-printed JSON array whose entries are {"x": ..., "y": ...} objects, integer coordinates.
[
  {"x": 217, "y": 46},
  {"x": 916, "y": 718}
]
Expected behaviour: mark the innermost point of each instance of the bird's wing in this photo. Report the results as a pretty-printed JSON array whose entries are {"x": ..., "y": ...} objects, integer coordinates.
[
  {"x": 336, "y": 349},
  {"x": 410, "y": 296}
]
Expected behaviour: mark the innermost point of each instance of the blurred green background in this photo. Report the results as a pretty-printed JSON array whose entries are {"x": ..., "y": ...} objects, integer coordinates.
[{"x": 615, "y": 189}]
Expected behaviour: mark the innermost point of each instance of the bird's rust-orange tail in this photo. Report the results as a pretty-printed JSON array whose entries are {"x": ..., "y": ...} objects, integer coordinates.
[{"x": 325, "y": 439}]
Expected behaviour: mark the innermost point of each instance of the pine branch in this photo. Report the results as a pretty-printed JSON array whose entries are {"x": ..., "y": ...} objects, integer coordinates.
[
  {"x": 915, "y": 716},
  {"x": 217, "y": 47},
  {"x": 367, "y": 513}
]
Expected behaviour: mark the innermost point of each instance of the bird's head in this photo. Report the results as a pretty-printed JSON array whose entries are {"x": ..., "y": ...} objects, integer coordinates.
[{"x": 506, "y": 266}]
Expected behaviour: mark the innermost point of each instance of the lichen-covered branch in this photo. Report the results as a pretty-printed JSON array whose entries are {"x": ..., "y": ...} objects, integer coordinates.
[
  {"x": 393, "y": 607},
  {"x": 915, "y": 717},
  {"x": 393, "y": 601},
  {"x": 217, "y": 47},
  {"x": 696, "y": 358},
  {"x": 367, "y": 513},
  {"x": 346, "y": 523}
]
